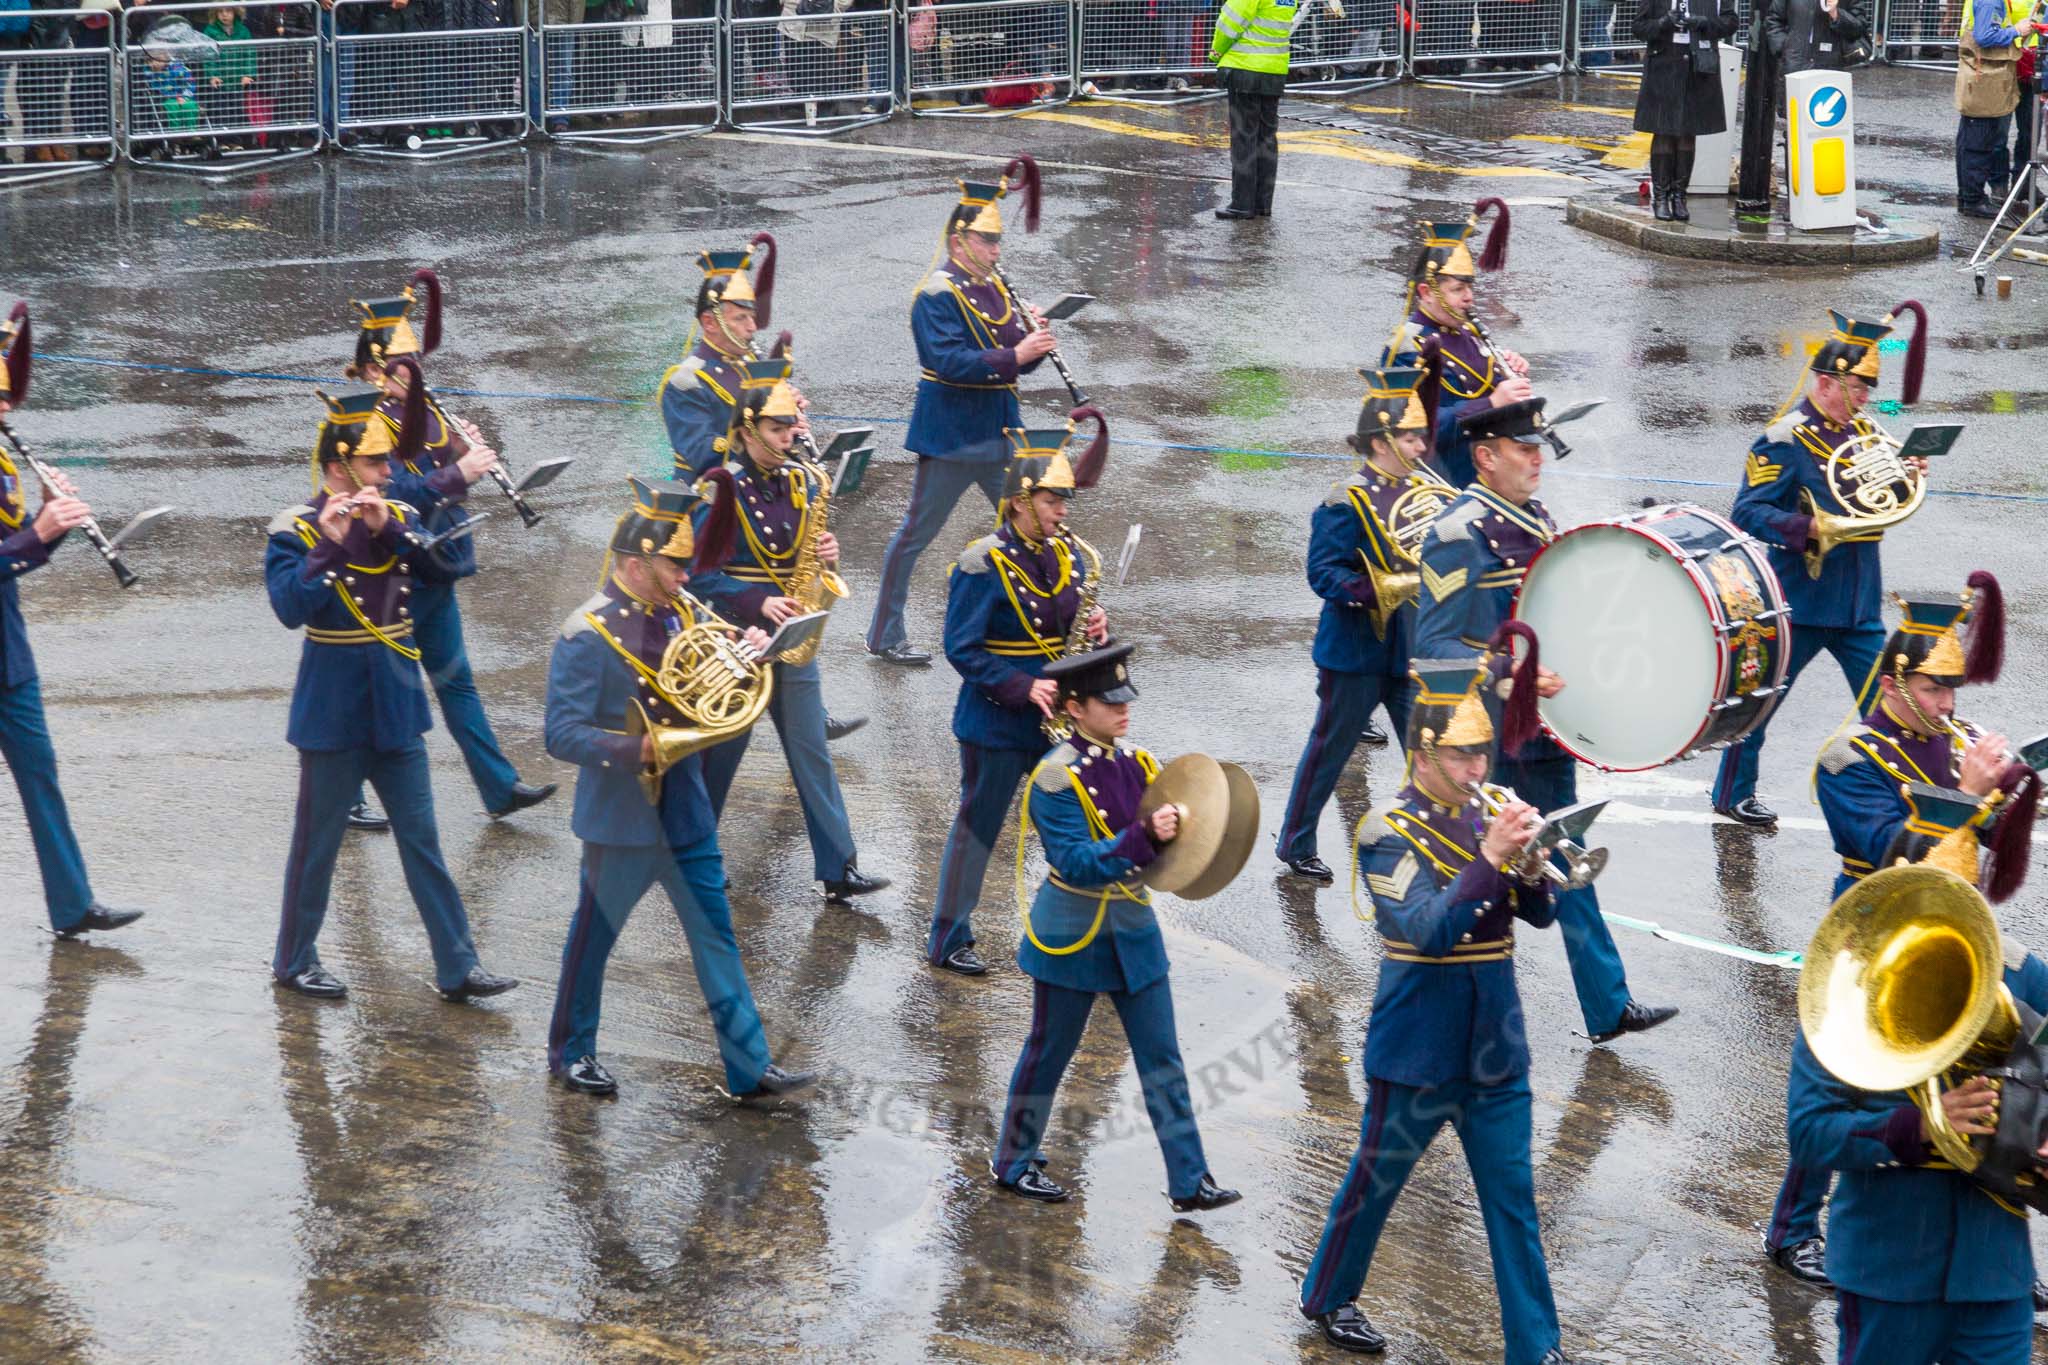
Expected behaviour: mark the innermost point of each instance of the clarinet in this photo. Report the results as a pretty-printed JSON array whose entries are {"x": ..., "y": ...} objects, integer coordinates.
[
  {"x": 497, "y": 471},
  {"x": 1059, "y": 362},
  {"x": 90, "y": 528}
]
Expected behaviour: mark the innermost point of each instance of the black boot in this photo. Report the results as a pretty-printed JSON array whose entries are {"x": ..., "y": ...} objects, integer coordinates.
[
  {"x": 1660, "y": 184},
  {"x": 1681, "y": 177}
]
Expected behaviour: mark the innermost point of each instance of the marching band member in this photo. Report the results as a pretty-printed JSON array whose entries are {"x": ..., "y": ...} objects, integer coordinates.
[
  {"x": 342, "y": 566},
  {"x": 609, "y": 653},
  {"x": 973, "y": 340},
  {"x": 1357, "y": 667},
  {"x": 1908, "y": 740},
  {"x": 1010, "y": 608},
  {"x": 1446, "y": 1043},
  {"x": 697, "y": 395},
  {"x": 1927, "y": 1265},
  {"x": 1476, "y": 374},
  {"x": 450, "y": 459},
  {"x": 1842, "y": 610},
  {"x": 778, "y": 498},
  {"x": 26, "y": 544},
  {"x": 1473, "y": 560},
  {"x": 1091, "y": 932}
]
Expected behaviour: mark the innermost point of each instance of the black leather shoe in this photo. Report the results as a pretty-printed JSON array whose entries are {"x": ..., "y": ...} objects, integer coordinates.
[
  {"x": 1372, "y": 736},
  {"x": 98, "y": 916},
  {"x": 362, "y": 816},
  {"x": 478, "y": 984},
  {"x": 965, "y": 961},
  {"x": 1350, "y": 1330},
  {"x": 1636, "y": 1017},
  {"x": 1749, "y": 811},
  {"x": 902, "y": 653},
  {"x": 1977, "y": 209},
  {"x": 317, "y": 982},
  {"x": 1310, "y": 869},
  {"x": 776, "y": 1081},
  {"x": 836, "y": 730},
  {"x": 1207, "y": 1195},
  {"x": 1035, "y": 1185},
  {"x": 1230, "y": 213},
  {"x": 1680, "y": 210},
  {"x": 588, "y": 1075},
  {"x": 1555, "y": 1356},
  {"x": 1807, "y": 1262},
  {"x": 853, "y": 883},
  {"x": 524, "y": 796}
]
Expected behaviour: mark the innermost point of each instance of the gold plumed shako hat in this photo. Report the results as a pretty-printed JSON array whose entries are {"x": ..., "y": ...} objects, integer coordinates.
[
  {"x": 1448, "y": 711},
  {"x": 658, "y": 522},
  {"x": 351, "y": 426},
  {"x": 1929, "y": 639},
  {"x": 387, "y": 332},
  {"x": 726, "y": 279},
  {"x": 1392, "y": 402},
  {"x": 1445, "y": 250},
  {"x": 16, "y": 342},
  {"x": 1852, "y": 347},
  {"x": 1039, "y": 461},
  {"x": 1022, "y": 175}
]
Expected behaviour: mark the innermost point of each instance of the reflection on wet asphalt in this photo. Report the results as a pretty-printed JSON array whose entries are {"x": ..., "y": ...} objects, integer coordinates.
[{"x": 192, "y": 1168}]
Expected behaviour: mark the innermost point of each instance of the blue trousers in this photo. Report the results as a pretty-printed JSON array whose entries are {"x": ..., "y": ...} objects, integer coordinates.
[
  {"x": 1058, "y": 1016},
  {"x": 437, "y": 630},
  {"x": 328, "y": 783},
  {"x": 988, "y": 781},
  {"x": 1597, "y": 974},
  {"x": 1878, "y": 1332},
  {"x": 1795, "y": 1218},
  {"x": 1344, "y": 703},
  {"x": 797, "y": 706},
  {"x": 1981, "y": 162},
  {"x": 1855, "y": 648},
  {"x": 612, "y": 882},
  {"x": 935, "y": 490},
  {"x": 1399, "y": 1123},
  {"x": 25, "y": 744}
]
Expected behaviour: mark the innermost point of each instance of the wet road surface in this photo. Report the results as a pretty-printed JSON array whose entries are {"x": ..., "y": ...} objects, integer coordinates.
[{"x": 195, "y": 1168}]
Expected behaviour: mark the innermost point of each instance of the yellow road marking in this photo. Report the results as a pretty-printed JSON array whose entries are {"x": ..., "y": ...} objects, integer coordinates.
[
  {"x": 1611, "y": 110},
  {"x": 1632, "y": 153}
]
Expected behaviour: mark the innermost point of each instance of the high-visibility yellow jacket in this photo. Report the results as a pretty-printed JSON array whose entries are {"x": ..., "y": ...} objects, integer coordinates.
[{"x": 1252, "y": 35}]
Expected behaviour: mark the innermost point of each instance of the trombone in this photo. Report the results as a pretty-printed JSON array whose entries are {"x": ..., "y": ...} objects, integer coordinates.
[
  {"x": 1874, "y": 488},
  {"x": 1554, "y": 834}
]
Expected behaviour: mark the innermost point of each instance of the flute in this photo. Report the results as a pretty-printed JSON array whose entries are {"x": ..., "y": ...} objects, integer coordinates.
[
  {"x": 90, "y": 528},
  {"x": 1059, "y": 362}
]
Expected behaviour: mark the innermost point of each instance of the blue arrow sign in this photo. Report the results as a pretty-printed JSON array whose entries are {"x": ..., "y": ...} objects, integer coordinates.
[{"x": 1828, "y": 106}]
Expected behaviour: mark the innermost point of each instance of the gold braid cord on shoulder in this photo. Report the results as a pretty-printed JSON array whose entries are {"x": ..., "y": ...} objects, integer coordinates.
[
  {"x": 411, "y": 652},
  {"x": 1101, "y": 829}
]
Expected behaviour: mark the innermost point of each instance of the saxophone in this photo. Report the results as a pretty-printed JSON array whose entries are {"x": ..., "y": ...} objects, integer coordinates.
[
  {"x": 810, "y": 582},
  {"x": 1059, "y": 728}
]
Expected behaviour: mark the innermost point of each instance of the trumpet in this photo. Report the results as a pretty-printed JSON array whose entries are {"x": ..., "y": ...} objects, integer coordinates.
[
  {"x": 1059, "y": 362},
  {"x": 1874, "y": 488},
  {"x": 1533, "y": 863}
]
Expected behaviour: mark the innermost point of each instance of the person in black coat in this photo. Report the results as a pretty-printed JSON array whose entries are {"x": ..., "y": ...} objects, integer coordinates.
[
  {"x": 1815, "y": 35},
  {"x": 1680, "y": 97}
]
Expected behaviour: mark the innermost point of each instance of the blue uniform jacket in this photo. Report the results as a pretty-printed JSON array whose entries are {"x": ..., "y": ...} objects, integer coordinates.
[
  {"x": 1009, "y": 605},
  {"x": 1860, "y": 784},
  {"x": 776, "y": 511},
  {"x": 1446, "y": 1008},
  {"x": 607, "y": 654},
  {"x": 1083, "y": 801},
  {"x": 1789, "y": 457},
  {"x": 1344, "y": 533},
  {"x": 359, "y": 684},
  {"x": 21, "y": 550},
  {"x": 1470, "y": 375},
  {"x": 1900, "y": 1229},
  {"x": 433, "y": 481},
  {"x": 966, "y": 334},
  {"x": 1473, "y": 561},
  {"x": 697, "y": 402}
]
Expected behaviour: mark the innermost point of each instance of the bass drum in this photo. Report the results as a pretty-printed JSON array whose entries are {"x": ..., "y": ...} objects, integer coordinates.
[{"x": 1669, "y": 630}]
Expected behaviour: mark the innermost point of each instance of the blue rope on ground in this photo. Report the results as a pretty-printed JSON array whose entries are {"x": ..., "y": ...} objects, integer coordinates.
[{"x": 902, "y": 421}]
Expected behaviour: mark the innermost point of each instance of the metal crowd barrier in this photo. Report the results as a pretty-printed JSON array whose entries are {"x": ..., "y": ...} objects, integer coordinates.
[
  {"x": 1922, "y": 33},
  {"x": 403, "y": 89},
  {"x": 56, "y": 103},
  {"x": 643, "y": 80},
  {"x": 990, "y": 58},
  {"x": 201, "y": 102},
  {"x": 1604, "y": 31},
  {"x": 813, "y": 74},
  {"x": 1488, "y": 45},
  {"x": 1148, "y": 51},
  {"x": 1345, "y": 47}
]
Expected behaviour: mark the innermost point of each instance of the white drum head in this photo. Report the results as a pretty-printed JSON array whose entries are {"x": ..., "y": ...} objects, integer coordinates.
[{"x": 1624, "y": 625}]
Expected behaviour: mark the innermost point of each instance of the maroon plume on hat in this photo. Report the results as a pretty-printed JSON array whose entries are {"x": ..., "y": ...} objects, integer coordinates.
[
  {"x": 1519, "y": 722},
  {"x": 430, "y": 327},
  {"x": 1088, "y": 468},
  {"x": 1985, "y": 655},
  {"x": 412, "y": 424},
  {"x": 19, "y": 354},
  {"x": 1916, "y": 350},
  {"x": 1495, "y": 254},
  {"x": 2012, "y": 838},
  {"x": 764, "y": 278},
  {"x": 1025, "y": 171},
  {"x": 719, "y": 533}
]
